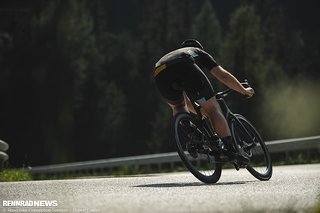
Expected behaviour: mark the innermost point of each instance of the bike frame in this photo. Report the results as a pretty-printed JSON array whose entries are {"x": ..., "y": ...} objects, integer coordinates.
[
  {"x": 207, "y": 128},
  {"x": 227, "y": 112}
]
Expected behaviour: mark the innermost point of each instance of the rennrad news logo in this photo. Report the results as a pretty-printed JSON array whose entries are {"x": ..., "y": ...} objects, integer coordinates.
[{"x": 29, "y": 203}]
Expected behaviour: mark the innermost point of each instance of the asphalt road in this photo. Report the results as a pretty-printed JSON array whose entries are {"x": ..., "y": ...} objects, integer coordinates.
[{"x": 291, "y": 188}]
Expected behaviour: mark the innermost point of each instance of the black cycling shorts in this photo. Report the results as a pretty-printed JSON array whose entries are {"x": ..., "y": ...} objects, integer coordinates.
[{"x": 182, "y": 74}]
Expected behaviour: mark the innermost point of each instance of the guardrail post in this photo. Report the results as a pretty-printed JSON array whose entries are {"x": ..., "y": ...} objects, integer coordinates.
[{"x": 3, "y": 156}]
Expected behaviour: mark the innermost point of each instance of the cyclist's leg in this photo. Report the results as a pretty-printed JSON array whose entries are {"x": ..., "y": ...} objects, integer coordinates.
[
  {"x": 220, "y": 125},
  {"x": 189, "y": 104},
  {"x": 212, "y": 109},
  {"x": 178, "y": 107}
]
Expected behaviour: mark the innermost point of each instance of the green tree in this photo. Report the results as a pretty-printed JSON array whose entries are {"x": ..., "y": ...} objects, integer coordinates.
[
  {"x": 53, "y": 82},
  {"x": 160, "y": 129},
  {"x": 242, "y": 52},
  {"x": 243, "y": 46},
  {"x": 108, "y": 97},
  {"x": 247, "y": 54},
  {"x": 206, "y": 28},
  {"x": 68, "y": 71},
  {"x": 163, "y": 26}
]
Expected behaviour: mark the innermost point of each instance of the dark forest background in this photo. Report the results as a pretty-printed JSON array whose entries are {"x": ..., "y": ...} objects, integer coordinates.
[{"x": 75, "y": 76}]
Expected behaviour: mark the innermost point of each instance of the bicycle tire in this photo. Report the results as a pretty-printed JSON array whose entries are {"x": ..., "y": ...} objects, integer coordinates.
[
  {"x": 260, "y": 162},
  {"x": 202, "y": 167}
]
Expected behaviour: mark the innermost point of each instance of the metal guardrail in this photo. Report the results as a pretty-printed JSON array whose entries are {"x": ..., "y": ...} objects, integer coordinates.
[
  {"x": 294, "y": 144},
  {"x": 108, "y": 164},
  {"x": 3, "y": 156},
  {"x": 278, "y": 146}
]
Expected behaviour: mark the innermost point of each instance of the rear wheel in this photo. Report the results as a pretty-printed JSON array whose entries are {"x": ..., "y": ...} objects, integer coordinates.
[
  {"x": 193, "y": 149},
  {"x": 251, "y": 145}
]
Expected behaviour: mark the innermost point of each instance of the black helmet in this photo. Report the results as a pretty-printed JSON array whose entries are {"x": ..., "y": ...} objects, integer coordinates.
[{"x": 191, "y": 43}]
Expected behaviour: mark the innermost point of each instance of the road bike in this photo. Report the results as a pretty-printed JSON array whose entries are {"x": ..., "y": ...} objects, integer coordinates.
[{"x": 201, "y": 150}]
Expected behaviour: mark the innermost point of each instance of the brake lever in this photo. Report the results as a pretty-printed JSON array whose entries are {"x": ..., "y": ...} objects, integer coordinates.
[{"x": 246, "y": 83}]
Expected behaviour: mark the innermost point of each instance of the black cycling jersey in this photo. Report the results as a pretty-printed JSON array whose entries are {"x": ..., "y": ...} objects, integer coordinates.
[{"x": 181, "y": 70}]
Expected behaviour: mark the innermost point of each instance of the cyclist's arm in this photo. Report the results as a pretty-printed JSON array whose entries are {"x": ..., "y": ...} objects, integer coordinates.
[{"x": 230, "y": 81}]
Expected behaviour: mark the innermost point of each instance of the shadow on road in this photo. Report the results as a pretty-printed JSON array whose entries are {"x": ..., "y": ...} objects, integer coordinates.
[{"x": 168, "y": 185}]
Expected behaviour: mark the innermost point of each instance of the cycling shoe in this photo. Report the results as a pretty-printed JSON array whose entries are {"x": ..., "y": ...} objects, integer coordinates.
[{"x": 236, "y": 157}]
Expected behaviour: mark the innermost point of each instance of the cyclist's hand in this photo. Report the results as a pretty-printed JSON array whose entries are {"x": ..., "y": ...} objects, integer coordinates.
[{"x": 249, "y": 92}]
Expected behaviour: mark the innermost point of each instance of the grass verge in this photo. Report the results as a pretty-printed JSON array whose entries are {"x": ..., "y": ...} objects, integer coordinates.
[
  {"x": 317, "y": 207},
  {"x": 14, "y": 175}
]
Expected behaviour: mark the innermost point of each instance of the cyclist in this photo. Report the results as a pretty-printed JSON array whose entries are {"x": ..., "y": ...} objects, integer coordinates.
[{"x": 182, "y": 70}]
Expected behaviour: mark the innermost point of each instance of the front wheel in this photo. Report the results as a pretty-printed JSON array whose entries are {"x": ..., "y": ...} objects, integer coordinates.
[
  {"x": 192, "y": 148},
  {"x": 251, "y": 145}
]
